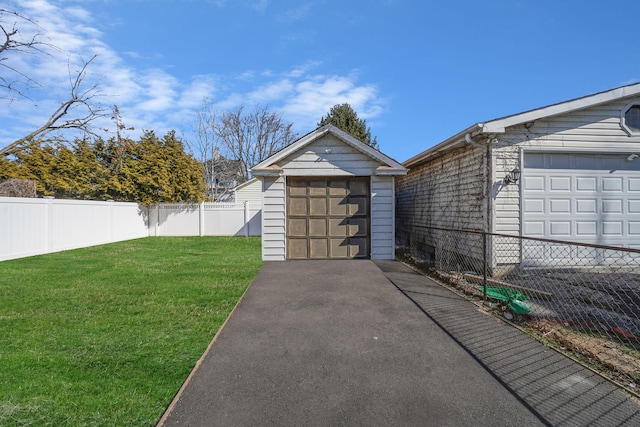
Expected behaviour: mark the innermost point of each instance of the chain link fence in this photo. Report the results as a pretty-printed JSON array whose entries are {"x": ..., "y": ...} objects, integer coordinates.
[{"x": 582, "y": 298}]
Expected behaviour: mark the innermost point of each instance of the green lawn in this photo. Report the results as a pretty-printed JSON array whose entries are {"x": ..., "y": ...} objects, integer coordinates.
[{"x": 107, "y": 335}]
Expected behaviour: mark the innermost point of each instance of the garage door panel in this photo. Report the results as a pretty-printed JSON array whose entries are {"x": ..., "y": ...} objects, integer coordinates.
[
  {"x": 586, "y": 183},
  {"x": 358, "y": 247},
  {"x": 612, "y": 184},
  {"x": 560, "y": 206},
  {"x": 534, "y": 205},
  {"x": 559, "y": 229},
  {"x": 559, "y": 183},
  {"x": 612, "y": 228},
  {"x": 317, "y": 227},
  {"x": 297, "y": 227},
  {"x": 357, "y": 206},
  {"x": 328, "y": 218},
  {"x": 634, "y": 206},
  {"x": 337, "y": 206},
  {"x": 586, "y": 228},
  {"x": 338, "y": 227},
  {"x": 634, "y": 184},
  {"x": 338, "y": 187},
  {"x": 317, "y": 188},
  {"x": 297, "y": 206},
  {"x": 612, "y": 206},
  {"x": 317, "y": 206},
  {"x": 586, "y": 206},
  {"x": 297, "y": 188},
  {"x": 318, "y": 248},
  {"x": 339, "y": 248},
  {"x": 297, "y": 249},
  {"x": 358, "y": 227},
  {"x": 359, "y": 188},
  {"x": 534, "y": 183}
]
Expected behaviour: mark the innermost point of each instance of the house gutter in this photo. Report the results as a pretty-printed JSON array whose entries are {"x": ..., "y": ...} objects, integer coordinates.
[{"x": 447, "y": 144}]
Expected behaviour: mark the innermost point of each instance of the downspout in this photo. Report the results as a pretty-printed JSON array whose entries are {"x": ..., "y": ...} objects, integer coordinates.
[
  {"x": 486, "y": 240},
  {"x": 485, "y": 177},
  {"x": 468, "y": 140}
]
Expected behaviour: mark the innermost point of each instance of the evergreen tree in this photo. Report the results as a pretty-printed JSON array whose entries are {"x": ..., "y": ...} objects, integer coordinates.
[
  {"x": 344, "y": 117},
  {"x": 146, "y": 171}
]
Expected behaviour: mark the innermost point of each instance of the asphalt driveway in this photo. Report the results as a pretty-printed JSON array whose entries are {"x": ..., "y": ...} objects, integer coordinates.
[{"x": 355, "y": 343}]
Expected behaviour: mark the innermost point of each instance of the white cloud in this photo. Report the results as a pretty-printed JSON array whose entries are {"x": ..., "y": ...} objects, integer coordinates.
[
  {"x": 315, "y": 96},
  {"x": 157, "y": 99}
]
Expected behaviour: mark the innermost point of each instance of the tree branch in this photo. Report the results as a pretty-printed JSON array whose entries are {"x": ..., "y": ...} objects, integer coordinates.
[{"x": 79, "y": 99}]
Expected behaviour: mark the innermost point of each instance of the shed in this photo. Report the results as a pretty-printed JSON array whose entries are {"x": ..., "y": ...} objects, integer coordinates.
[
  {"x": 579, "y": 177},
  {"x": 328, "y": 196},
  {"x": 249, "y": 191}
]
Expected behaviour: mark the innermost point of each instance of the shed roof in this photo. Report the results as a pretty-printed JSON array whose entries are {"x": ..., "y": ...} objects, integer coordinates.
[
  {"x": 270, "y": 167},
  {"x": 497, "y": 126}
]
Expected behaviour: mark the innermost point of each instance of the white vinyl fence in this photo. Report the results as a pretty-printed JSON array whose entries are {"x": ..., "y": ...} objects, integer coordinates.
[
  {"x": 205, "y": 219},
  {"x": 38, "y": 226}
]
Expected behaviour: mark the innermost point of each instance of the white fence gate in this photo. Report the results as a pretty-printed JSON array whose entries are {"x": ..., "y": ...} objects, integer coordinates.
[{"x": 38, "y": 226}]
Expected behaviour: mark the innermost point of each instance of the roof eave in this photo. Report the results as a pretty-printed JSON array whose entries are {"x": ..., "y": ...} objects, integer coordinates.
[
  {"x": 499, "y": 125},
  {"x": 445, "y": 145}
]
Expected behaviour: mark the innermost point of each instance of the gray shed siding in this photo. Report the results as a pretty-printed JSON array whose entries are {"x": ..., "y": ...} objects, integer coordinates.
[
  {"x": 328, "y": 156},
  {"x": 273, "y": 219},
  {"x": 382, "y": 217}
]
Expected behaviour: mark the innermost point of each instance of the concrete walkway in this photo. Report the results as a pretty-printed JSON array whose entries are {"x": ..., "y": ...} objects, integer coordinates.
[{"x": 363, "y": 343}]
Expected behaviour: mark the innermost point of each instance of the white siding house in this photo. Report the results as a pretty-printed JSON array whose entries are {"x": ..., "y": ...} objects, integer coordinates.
[
  {"x": 328, "y": 196},
  {"x": 250, "y": 191},
  {"x": 580, "y": 176}
]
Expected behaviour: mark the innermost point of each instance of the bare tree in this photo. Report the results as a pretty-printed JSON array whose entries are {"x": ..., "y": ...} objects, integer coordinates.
[
  {"x": 227, "y": 144},
  {"x": 254, "y": 136},
  {"x": 76, "y": 112},
  {"x": 16, "y": 187},
  {"x": 14, "y": 81}
]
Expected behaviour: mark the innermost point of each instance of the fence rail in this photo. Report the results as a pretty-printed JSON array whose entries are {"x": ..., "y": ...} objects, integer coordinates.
[{"x": 582, "y": 296}]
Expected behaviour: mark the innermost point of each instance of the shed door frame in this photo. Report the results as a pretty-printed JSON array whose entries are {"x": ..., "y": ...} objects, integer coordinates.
[{"x": 328, "y": 217}]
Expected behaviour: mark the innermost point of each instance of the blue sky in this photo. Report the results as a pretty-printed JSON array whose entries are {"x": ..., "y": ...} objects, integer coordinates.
[{"x": 418, "y": 71}]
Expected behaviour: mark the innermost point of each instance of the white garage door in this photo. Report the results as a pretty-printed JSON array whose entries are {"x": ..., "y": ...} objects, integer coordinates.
[{"x": 579, "y": 197}]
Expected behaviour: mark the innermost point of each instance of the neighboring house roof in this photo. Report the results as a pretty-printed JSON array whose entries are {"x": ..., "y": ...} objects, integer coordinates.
[
  {"x": 270, "y": 167},
  {"x": 500, "y": 125}
]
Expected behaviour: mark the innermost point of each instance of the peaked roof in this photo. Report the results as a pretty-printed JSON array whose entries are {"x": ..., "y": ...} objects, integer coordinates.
[
  {"x": 500, "y": 125},
  {"x": 389, "y": 166}
]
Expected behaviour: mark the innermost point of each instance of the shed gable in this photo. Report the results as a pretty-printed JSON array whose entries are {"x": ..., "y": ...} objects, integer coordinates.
[{"x": 328, "y": 156}]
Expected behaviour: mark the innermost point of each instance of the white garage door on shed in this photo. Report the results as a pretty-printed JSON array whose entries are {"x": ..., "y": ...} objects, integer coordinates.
[{"x": 580, "y": 197}]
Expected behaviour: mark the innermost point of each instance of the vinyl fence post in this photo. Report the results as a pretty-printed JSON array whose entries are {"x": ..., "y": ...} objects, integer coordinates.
[
  {"x": 484, "y": 263},
  {"x": 201, "y": 218},
  {"x": 246, "y": 218}
]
